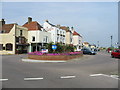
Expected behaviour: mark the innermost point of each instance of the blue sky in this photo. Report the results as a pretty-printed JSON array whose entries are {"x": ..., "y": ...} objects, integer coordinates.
[{"x": 95, "y": 21}]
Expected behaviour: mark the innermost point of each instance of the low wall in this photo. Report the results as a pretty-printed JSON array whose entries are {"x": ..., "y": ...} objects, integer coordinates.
[{"x": 57, "y": 57}]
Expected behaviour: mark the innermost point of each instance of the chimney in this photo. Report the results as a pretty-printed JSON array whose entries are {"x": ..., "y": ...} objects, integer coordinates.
[
  {"x": 46, "y": 20},
  {"x": 58, "y": 25},
  {"x": 67, "y": 28},
  {"x": 3, "y": 21},
  {"x": 29, "y": 19},
  {"x": 72, "y": 29}
]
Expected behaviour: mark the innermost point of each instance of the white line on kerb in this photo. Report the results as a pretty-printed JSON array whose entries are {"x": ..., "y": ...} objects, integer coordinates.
[
  {"x": 33, "y": 78},
  {"x": 67, "y": 76},
  {"x": 3, "y": 80}
]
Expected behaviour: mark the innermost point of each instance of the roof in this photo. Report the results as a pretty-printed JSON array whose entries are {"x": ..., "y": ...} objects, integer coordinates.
[
  {"x": 65, "y": 28},
  {"x": 86, "y": 43},
  {"x": 51, "y": 24},
  {"x": 7, "y": 27},
  {"x": 34, "y": 25},
  {"x": 75, "y": 33}
]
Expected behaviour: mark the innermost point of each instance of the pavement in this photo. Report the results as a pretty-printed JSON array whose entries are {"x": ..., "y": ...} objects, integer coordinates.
[{"x": 89, "y": 71}]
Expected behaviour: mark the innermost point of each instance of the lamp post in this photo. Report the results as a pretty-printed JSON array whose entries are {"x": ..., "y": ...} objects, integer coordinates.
[{"x": 111, "y": 40}]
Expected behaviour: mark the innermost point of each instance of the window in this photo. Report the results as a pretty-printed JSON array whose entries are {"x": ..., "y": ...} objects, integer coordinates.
[
  {"x": 116, "y": 51},
  {"x": 46, "y": 39},
  {"x": 60, "y": 32},
  {"x": 57, "y": 32},
  {"x": 1, "y": 46},
  {"x": 57, "y": 39},
  {"x": 79, "y": 41},
  {"x": 21, "y": 32},
  {"x": 17, "y": 39},
  {"x": 33, "y": 38},
  {"x": 9, "y": 46},
  {"x": 71, "y": 40},
  {"x": 61, "y": 39}
]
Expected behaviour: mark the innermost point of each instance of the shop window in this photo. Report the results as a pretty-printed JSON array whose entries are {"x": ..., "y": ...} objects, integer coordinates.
[{"x": 9, "y": 47}]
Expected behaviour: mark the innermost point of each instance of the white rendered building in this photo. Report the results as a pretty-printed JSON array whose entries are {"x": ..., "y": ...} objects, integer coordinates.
[
  {"x": 37, "y": 36},
  {"x": 57, "y": 35}
]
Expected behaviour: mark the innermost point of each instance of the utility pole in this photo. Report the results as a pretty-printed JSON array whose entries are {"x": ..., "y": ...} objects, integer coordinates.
[{"x": 111, "y": 40}]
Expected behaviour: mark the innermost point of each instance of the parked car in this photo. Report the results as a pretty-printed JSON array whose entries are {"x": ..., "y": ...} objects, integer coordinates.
[
  {"x": 88, "y": 51},
  {"x": 115, "y": 53}
]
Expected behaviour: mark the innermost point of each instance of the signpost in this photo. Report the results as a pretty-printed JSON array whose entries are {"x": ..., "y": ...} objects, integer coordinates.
[{"x": 54, "y": 47}]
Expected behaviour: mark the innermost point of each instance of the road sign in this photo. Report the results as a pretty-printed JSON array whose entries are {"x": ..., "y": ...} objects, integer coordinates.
[
  {"x": 54, "y": 47},
  {"x": 44, "y": 50}
]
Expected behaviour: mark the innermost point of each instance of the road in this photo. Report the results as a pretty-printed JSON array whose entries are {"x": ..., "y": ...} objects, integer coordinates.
[{"x": 78, "y": 73}]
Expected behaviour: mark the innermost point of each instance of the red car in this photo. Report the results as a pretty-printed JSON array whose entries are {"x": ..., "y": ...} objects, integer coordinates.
[{"x": 115, "y": 53}]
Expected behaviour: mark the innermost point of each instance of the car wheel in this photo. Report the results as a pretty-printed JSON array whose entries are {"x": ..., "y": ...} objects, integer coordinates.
[{"x": 112, "y": 56}]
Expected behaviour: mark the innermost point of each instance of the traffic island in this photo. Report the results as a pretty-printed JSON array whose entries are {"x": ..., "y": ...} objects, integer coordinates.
[{"x": 54, "y": 56}]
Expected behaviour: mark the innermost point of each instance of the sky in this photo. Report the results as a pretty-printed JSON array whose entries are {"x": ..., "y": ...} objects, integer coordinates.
[{"x": 95, "y": 21}]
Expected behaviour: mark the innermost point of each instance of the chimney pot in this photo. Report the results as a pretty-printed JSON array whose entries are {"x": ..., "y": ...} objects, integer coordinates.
[
  {"x": 29, "y": 19},
  {"x": 3, "y": 21},
  {"x": 46, "y": 20}
]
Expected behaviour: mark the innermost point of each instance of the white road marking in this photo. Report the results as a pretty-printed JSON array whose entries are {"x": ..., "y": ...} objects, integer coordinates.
[
  {"x": 112, "y": 76},
  {"x": 3, "y": 80},
  {"x": 92, "y": 75},
  {"x": 67, "y": 76},
  {"x": 33, "y": 78}
]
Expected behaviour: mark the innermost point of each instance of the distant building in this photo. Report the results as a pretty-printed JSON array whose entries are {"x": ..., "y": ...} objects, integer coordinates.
[
  {"x": 14, "y": 38},
  {"x": 77, "y": 40},
  {"x": 69, "y": 35},
  {"x": 93, "y": 46},
  {"x": 86, "y": 44},
  {"x": 57, "y": 34},
  {"x": 37, "y": 36}
]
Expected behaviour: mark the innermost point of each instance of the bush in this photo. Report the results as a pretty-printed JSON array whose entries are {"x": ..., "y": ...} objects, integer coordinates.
[{"x": 60, "y": 48}]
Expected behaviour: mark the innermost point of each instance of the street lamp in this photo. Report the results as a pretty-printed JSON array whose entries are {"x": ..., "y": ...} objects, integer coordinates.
[{"x": 111, "y": 40}]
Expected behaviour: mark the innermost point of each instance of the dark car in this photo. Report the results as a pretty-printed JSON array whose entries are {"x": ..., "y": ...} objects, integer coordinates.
[
  {"x": 88, "y": 51},
  {"x": 115, "y": 53}
]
